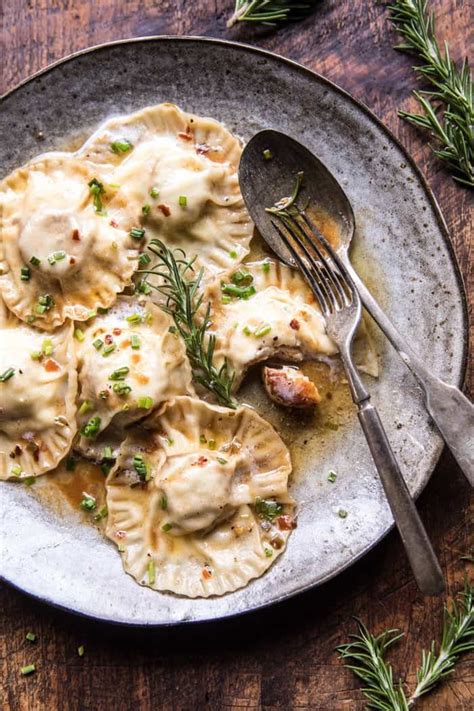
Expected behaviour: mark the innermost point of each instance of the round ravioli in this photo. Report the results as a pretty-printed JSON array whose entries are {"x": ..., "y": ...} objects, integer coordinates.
[
  {"x": 198, "y": 500},
  {"x": 175, "y": 178},
  {"x": 265, "y": 309},
  {"x": 130, "y": 361},
  {"x": 38, "y": 386},
  {"x": 61, "y": 255}
]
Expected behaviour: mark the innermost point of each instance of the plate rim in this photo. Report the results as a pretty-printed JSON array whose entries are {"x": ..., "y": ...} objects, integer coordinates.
[{"x": 294, "y": 65}]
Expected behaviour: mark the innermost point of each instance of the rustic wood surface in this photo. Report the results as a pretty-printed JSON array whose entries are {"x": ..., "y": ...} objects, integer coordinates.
[{"x": 283, "y": 657}]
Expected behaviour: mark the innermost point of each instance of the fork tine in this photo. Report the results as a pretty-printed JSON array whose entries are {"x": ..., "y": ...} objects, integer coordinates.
[
  {"x": 331, "y": 274},
  {"x": 321, "y": 269},
  {"x": 323, "y": 303}
]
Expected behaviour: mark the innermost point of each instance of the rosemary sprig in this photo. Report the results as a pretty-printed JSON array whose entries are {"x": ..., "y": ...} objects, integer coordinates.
[
  {"x": 448, "y": 109},
  {"x": 269, "y": 12},
  {"x": 180, "y": 286},
  {"x": 365, "y": 656}
]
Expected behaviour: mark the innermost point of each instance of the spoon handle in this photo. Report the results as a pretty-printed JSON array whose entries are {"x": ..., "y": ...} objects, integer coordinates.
[
  {"x": 421, "y": 555},
  {"x": 450, "y": 409}
]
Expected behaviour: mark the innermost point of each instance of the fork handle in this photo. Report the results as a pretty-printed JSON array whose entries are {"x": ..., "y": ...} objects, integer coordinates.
[
  {"x": 421, "y": 555},
  {"x": 450, "y": 409}
]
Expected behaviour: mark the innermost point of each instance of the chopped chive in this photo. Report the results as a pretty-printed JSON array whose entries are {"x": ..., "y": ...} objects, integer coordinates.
[
  {"x": 144, "y": 288},
  {"x": 47, "y": 347},
  {"x": 247, "y": 331},
  {"x": 154, "y": 192},
  {"x": 16, "y": 470},
  {"x": 226, "y": 299},
  {"x": 146, "y": 209},
  {"x": 103, "y": 394},
  {"x": 85, "y": 407},
  {"x": 233, "y": 254},
  {"x": 145, "y": 402},
  {"x": 91, "y": 428},
  {"x": 268, "y": 552},
  {"x": 122, "y": 145},
  {"x": 25, "y": 274},
  {"x": 144, "y": 258},
  {"x": 121, "y": 548},
  {"x": 52, "y": 259},
  {"x": 30, "y": 318},
  {"x": 120, "y": 373},
  {"x": 262, "y": 330},
  {"x": 241, "y": 278},
  {"x": 212, "y": 444},
  {"x": 91, "y": 314},
  {"x": 108, "y": 350},
  {"x": 102, "y": 311},
  {"x": 105, "y": 468},
  {"x": 101, "y": 513},
  {"x": 332, "y": 476},
  {"x": 108, "y": 453},
  {"x": 221, "y": 460},
  {"x": 151, "y": 572},
  {"x": 182, "y": 200},
  {"x": 98, "y": 343},
  {"x": 268, "y": 508},
  {"x": 45, "y": 303},
  {"x": 36, "y": 355},
  {"x": 29, "y": 669},
  {"x": 266, "y": 267},
  {"x": 202, "y": 439},
  {"x": 167, "y": 527},
  {"x": 88, "y": 502},
  {"x": 35, "y": 261},
  {"x": 71, "y": 464},
  {"x": 163, "y": 502},
  {"x": 267, "y": 154},
  {"x": 29, "y": 481},
  {"x": 135, "y": 319},
  {"x": 240, "y": 292},
  {"x": 96, "y": 189},
  {"x": 342, "y": 513},
  {"x": 121, "y": 388},
  {"x": 30, "y": 636},
  {"x": 80, "y": 650},
  {"x": 135, "y": 341},
  {"x": 79, "y": 335},
  {"x": 7, "y": 374},
  {"x": 169, "y": 441},
  {"x": 58, "y": 256},
  {"x": 141, "y": 467},
  {"x": 137, "y": 233}
]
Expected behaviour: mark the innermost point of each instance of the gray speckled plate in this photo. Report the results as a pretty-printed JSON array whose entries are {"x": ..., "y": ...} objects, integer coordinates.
[{"x": 402, "y": 248}]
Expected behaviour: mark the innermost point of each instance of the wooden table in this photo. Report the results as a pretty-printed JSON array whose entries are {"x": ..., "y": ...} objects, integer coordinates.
[{"x": 282, "y": 658}]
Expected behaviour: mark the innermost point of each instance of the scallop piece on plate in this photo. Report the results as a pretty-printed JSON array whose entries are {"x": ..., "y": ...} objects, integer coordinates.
[
  {"x": 264, "y": 310},
  {"x": 289, "y": 387},
  {"x": 61, "y": 256},
  {"x": 198, "y": 500},
  {"x": 130, "y": 361},
  {"x": 38, "y": 386},
  {"x": 174, "y": 177}
]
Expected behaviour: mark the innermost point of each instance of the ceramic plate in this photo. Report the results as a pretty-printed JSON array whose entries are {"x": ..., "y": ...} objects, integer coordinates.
[{"x": 402, "y": 249}]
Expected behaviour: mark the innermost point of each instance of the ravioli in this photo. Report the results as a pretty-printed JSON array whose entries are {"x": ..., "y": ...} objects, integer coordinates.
[
  {"x": 175, "y": 178},
  {"x": 38, "y": 386},
  {"x": 129, "y": 363},
  {"x": 198, "y": 500},
  {"x": 61, "y": 255},
  {"x": 265, "y": 309}
]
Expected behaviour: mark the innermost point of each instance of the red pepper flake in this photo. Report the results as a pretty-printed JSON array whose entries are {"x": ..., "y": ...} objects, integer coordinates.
[
  {"x": 51, "y": 365},
  {"x": 136, "y": 358},
  {"x": 113, "y": 223},
  {"x": 72, "y": 260},
  {"x": 206, "y": 574},
  {"x": 117, "y": 331},
  {"x": 186, "y": 136},
  {"x": 294, "y": 324},
  {"x": 165, "y": 209},
  {"x": 125, "y": 343},
  {"x": 286, "y": 523},
  {"x": 201, "y": 461},
  {"x": 202, "y": 149},
  {"x": 108, "y": 339},
  {"x": 76, "y": 236},
  {"x": 142, "y": 379},
  {"x": 120, "y": 534}
]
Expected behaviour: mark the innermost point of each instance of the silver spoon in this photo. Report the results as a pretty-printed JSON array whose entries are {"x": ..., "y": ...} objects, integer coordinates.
[{"x": 267, "y": 171}]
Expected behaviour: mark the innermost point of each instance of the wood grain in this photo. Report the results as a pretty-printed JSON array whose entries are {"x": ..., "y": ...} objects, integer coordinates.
[{"x": 282, "y": 658}]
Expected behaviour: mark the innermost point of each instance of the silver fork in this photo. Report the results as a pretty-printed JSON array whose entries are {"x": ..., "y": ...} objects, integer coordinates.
[{"x": 340, "y": 304}]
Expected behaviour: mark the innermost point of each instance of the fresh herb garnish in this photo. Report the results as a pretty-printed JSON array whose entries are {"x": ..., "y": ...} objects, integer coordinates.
[
  {"x": 180, "y": 286},
  {"x": 332, "y": 476},
  {"x": 120, "y": 373},
  {"x": 269, "y": 12},
  {"x": 28, "y": 669},
  {"x": 182, "y": 201},
  {"x": 108, "y": 350},
  {"x": 85, "y": 407},
  {"x": 239, "y": 292},
  {"x": 35, "y": 261},
  {"x": 365, "y": 656},
  {"x": 98, "y": 343},
  {"x": 135, "y": 342},
  {"x": 267, "y": 154},
  {"x": 30, "y": 636},
  {"x": 151, "y": 572},
  {"x": 141, "y": 467},
  {"x": 91, "y": 428},
  {"x": 25, "y": 274},
  {"x": 163, "y": 502},
  {"x": 268, "y": 508},
  {"x": 121, "y": 146},
  {"x": 88, "y": 502},
  {"x": 16, "y": 470},
  {"x": 45, "y": 303},
  {"x": 154, "y": 192},
  {"x": 146, "y": 210},
  {"x": 145, "y": 402},
  {"x": 80, "y": 651},
  {"x": 101, "y": 513},
  {"x": 96, "y": 189},
  {"x": 47, "y": 347},
  {"x": 79, "y": 335},
  {"x": 137, "y": 233},
  {"x": 7, "y": 374},
  {"x": 448, "y": 107},
  {"x": 167, "y": 527},
  {"x": 121, "y": 389}
]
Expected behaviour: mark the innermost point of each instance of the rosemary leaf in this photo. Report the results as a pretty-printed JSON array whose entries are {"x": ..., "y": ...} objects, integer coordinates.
[
  {"x": 179, "y": 284},
  {"x": 269, "y": 12},
  {"x": 448, "y": 109}
]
